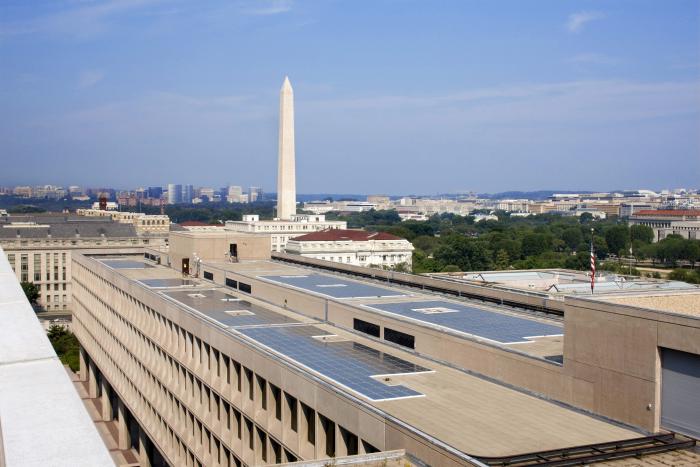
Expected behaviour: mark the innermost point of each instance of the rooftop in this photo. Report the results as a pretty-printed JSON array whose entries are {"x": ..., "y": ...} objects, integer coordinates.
[
  {"x": 62, "y": 227},
  {"x": 668, "y": 212},
  {"x": 472, "y": 414},
  {"x": 568, "y": 282},
  {"x": 332, "y": 235},
  {"x": 42, "y": 419}
]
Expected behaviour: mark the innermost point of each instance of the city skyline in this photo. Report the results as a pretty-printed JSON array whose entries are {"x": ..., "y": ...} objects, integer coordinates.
[{"x": 499, "y": 97}]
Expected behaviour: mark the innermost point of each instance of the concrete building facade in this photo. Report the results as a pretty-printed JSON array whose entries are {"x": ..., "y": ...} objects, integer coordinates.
[
  {"x": 281, "y": 231},
  {"x": 357, "y": 247},
  {"x": 665, "y": 222},
  {"x": 39, "y": 249}
]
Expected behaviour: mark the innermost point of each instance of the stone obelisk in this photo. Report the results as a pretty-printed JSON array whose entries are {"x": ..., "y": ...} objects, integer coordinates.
[{"x": 286, "y": 177}]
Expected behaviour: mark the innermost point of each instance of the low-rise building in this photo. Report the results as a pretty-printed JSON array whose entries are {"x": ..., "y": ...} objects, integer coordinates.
[
  {"x": 665, "y": 222},
  {"x": 39, "y": 249},
  {"x": 357, "y": 247},
  {"x": 281, "y": 231},
  {"x": 143, "y": 223}
]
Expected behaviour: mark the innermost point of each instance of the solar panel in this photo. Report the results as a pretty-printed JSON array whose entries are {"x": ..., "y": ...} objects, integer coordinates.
[
  {"x": 167, "y": 283},
  {"x": 125, "y": 264},
  {"x": 479, "y": 322},
  {"x": 226, "y": 308},
  {"x": 348, "y": 363},
  {"x": 333, "y": 286}
]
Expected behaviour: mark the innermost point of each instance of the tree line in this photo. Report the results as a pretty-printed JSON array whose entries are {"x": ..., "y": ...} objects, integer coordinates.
[{"x": 450, "y": 242}]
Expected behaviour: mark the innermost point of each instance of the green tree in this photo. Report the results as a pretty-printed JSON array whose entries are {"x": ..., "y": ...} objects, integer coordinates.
[
  {"x": 66, "y": 345},
  {"x": 691, "y": 251},
  {"x": 670, "y": 249},
  {"x": 502, "y": 259},
  {"x": 468, "y": 254},
  {"x": 572, "y": 237},
  {"x": 585, "y": 218},
  {"x": 643, "y": 233},
  {"x": 31, "y": 290},
  {"x": 534, "y": 244},
  {"x": 617, "y": 238},
  {"x": 425, "y": 243}
]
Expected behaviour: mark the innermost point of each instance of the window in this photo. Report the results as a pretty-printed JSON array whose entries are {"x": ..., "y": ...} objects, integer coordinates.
[
  {"x": 37, "y": 267},
  {"x": 364, "y": 326},
  {"x": 231, "y": 283},
  {"x": 243, "y": 287},
  {"x": 401, "y": 338},
  {"x": 209, "y": 275}
]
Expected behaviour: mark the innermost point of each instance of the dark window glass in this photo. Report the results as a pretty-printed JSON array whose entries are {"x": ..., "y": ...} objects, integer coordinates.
[
  {"x": 243, "y": 287},
  {"x": 364, "y": 326},
  {"x": 401, "y": 338},
  {"x": 209, "y": 275},
  {"x": 231, "y": 283}
]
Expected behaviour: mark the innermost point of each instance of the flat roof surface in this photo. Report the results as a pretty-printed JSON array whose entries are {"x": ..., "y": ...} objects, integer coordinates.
[
  {"x": 550, "y": 347},
  {"x": 125, "y": 263},
  {"x": 479, "y": 322},
  {"x": 42, "y": 419},
  {"x": 350, "y": 364},
  {"x": 474, "y": 415},
  {"x": 567, "y": 282},
  {"x": 332, "y": 286},
  {"x": 685, "y": 304},
  {"x": 226, "y": 308},
  {"x": 167, "y": 283}
]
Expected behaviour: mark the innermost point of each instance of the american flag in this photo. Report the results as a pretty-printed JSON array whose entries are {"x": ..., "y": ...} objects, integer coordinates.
[{"x": 592, "y": 265}]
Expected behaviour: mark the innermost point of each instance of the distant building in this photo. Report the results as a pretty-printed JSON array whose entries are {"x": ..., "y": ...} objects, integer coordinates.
[
  {"x": 319, "y": 207},
  {"x": 627, "y": 209},
  {"x": 23, "y": 191},
  {"x": 174, "y": 193},
  {"x": 281, "y": 231},
  {"x": 143, "y": 223},
  {"x": 664, "y": 222},
  {"x": 255, "y": 194},
  {"x": 39, "y": 248},
  {"x": 187, "y": 193},
  {"x": 206, "y": 194},
  {"x": 356, "y": 247},
  {"x": 110, "y": 205},
  {"x": 154, "y": 192},
  {"x": 234, "y": 194},
  {"x": 378, "y": 199}
]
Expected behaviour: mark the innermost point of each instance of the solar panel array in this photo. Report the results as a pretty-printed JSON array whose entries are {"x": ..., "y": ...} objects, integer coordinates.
[
  {"x": 490, "y": 325},
  {"x": 125, "y": 264},
  {"x": 333, "y": 286},
  {"x": 218, "y": 305},
  {"x": 167, "y": 283},
  {"x": 350, "y": 364}
]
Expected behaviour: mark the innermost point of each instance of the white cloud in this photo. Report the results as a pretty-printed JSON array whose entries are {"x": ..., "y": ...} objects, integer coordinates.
[
  {"x": 90, "y": 78},
  {"x": 577, "y": 21},
  {"x": 271, "y": 7}
]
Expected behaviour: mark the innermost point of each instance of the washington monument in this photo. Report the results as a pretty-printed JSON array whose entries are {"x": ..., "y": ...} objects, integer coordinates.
[{"x": 286, "y": 184}]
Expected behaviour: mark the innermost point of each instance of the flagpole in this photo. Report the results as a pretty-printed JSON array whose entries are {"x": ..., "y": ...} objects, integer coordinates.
[{"x": 592, "y": 264}]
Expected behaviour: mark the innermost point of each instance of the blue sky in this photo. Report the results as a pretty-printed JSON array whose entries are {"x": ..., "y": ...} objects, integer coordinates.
[{"x": 392, "y": 96}]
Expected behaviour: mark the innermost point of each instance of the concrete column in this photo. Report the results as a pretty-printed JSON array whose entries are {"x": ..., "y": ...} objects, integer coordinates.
[
  {"x": 144, "y": 459},
  {"x": 83, "y": 371},
  {"x": 106, "y": 402},
  {"x": 92, "y": 380},
  {"x": 124, "y": 440}
]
